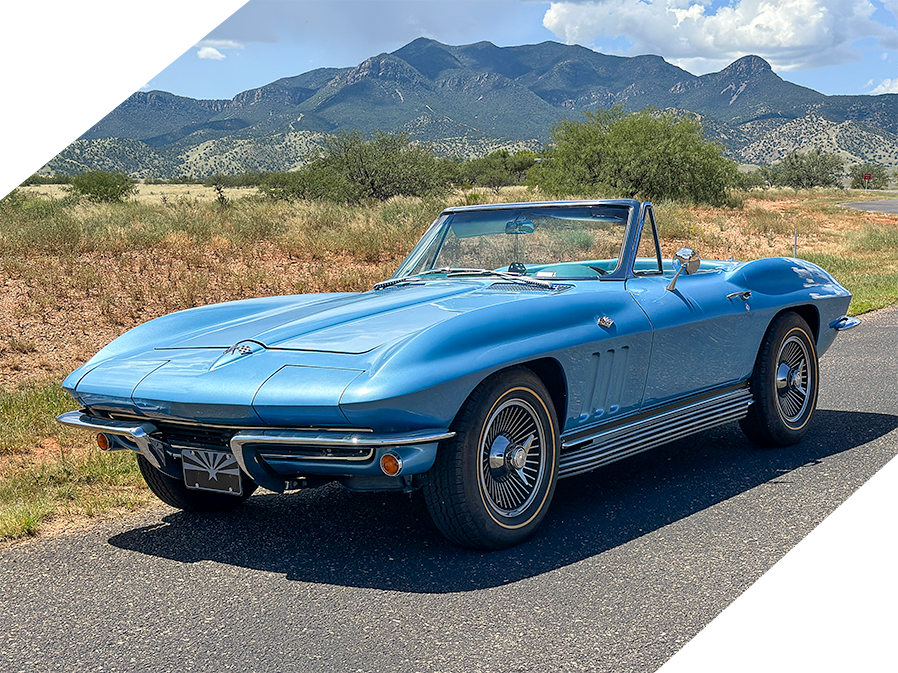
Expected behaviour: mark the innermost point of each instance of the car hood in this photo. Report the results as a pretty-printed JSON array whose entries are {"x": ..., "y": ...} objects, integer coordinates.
[
  {"x": 238, "y": 362},
  {"x": 345, "y": 323}
]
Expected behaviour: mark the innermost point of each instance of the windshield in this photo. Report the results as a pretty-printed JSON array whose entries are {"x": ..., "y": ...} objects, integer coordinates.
[{"x": 551, "y": 242}]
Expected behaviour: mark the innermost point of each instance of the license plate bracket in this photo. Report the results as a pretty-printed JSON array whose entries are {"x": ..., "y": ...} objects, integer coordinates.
[{"x": 216, "y": 471}]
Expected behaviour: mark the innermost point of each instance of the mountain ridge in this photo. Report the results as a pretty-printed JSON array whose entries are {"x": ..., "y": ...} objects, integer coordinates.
[{"x": 459, "y": 98}]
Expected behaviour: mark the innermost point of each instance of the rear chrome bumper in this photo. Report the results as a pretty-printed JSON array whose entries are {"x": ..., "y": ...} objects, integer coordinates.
[{"x": 272, "y": 457}]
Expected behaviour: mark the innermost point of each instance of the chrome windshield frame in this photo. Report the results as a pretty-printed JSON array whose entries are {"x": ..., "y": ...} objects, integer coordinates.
[{"x": 432, "y": 241}]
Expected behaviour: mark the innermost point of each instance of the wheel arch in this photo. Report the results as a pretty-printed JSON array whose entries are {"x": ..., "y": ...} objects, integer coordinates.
[
  {"x": 806, "y": 312},
  {"x": 475, "y": 502},
  {"x": 809, "y": 314},
  {"x": 551, "y": 373}
]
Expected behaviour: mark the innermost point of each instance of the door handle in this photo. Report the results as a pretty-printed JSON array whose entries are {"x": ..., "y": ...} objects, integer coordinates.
[{"x": 744, "y": 295}]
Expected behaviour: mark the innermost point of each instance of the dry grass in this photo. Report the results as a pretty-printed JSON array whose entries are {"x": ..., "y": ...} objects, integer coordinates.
[
  {"x": 154, "y": 194},
  {"x": 73, "y": 277}
]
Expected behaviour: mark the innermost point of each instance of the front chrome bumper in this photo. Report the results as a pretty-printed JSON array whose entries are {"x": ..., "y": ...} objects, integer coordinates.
[
  {"x": 137, "y": 433},
  {"x": 844, "y": 323},
  {"x": 274, "y": 457}
]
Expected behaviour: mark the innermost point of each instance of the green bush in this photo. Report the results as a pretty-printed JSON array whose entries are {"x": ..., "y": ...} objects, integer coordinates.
[
  {"x": 351, "y": 169},
  {"x": 247, "y": 179},
  {"x": 804, "y": 170},
  {"x": 879, "y": 174},
  {"x": 103, "y": 187},
  {"x": 746, "y": 180},
  {"x": 645, "y": 154},
  {"x": 496, "y": 170}
]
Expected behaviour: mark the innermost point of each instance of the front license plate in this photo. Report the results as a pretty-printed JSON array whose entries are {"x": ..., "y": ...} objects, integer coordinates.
[{"x": 211, "y": 471}]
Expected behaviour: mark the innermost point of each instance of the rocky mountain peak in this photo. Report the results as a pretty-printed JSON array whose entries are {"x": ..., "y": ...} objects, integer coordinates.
[{"x": 747, "y": 67}]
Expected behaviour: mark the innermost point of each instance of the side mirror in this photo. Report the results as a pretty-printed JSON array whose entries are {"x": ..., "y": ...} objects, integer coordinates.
[{"x": 687, "y": 261}]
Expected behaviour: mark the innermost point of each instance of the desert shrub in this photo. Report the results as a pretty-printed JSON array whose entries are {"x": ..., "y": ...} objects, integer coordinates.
[
  {"x": 753, "y": 179},
  {"x": 804, "y": 170},
  {"x": 103, "y": 187},
  {"x": 315, "y": 182},
  {"x": 496, "y": 170},
  {"x": 351, "y": 169},
  {"x": 879, "y": 174},
  {"x": 643, "y": 154},
  {"x": 247, "y": 179}
]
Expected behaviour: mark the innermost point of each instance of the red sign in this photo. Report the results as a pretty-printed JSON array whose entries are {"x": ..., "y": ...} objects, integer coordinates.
[{"x": 868, "y": 176}]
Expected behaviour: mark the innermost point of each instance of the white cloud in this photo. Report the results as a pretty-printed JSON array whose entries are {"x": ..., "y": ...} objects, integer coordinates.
[
  {"x": 209, "y": 49},
  {"x": 790, "y": 34},
  {"x": 211, "y": 53},
  {"x": 886, "y": 86},
  {"x": 221, "y": 44},
  {"x": 350, "y": 31}
]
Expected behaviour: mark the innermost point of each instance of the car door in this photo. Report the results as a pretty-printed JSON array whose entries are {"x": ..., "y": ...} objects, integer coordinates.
[{"x": 698, "y": 326}]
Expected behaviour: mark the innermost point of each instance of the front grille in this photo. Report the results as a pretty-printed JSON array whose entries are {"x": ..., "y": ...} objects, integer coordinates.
[
  {"x": 218, "y": 438},
  {"x": 317, "y": 453},
  {"x": 186, "y": 435},
  {"x": 193, "y": 437}
]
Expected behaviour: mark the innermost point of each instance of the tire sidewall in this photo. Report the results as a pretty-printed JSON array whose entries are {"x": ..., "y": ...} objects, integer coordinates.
[
  {"x": 526, "y": 386},
  {"x": 801, "y": 332},
  {"x": 767, "y": 416}
]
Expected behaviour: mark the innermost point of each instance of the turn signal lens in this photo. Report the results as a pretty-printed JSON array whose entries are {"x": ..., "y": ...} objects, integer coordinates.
[
  {"x": 390, "y": 464},
  {"x": 103, "y": 442}
]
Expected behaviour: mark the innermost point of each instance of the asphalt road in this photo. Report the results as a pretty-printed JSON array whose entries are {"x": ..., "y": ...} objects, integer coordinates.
[
  {"x": 889, "y": 206},
  {"x": 632, "y": 561}
]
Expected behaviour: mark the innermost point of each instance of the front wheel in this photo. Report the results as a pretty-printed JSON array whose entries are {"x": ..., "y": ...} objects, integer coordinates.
[
  {"x": 173, "y": 492},
  {"x": 784, "y": 384},
  {"x": 492, "y": 483}
]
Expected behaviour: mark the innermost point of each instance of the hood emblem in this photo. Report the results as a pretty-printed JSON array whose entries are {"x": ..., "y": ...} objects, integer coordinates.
[
  {"x": 242, "y": 349},
  {"x": 239, "y": 350}
]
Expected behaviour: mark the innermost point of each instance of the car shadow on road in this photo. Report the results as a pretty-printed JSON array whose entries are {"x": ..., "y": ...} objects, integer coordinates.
[{"x": 386, "y": 540}]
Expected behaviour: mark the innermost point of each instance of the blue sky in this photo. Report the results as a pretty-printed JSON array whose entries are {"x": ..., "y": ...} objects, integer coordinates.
[{"x": 834, "y": 46}]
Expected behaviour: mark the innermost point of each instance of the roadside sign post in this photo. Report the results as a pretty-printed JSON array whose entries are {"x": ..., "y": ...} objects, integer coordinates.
[{"x": 867, "y": 178}]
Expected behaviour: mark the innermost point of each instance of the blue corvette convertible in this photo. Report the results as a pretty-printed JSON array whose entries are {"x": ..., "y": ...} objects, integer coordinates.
[{"x": 516, "y": 345}]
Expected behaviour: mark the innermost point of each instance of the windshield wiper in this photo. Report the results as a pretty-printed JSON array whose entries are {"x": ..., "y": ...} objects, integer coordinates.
[
  {"x": 389, "y": 282},
  {"x": 504, "y": 275},
  {"x": 450, "y": 271}
]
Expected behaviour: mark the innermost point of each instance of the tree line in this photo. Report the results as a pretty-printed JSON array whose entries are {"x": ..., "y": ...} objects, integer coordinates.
[{"x": 646, "y": 154}]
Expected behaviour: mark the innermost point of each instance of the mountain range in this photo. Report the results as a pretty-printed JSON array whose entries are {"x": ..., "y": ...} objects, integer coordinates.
[{"x": 469, "y": 100}]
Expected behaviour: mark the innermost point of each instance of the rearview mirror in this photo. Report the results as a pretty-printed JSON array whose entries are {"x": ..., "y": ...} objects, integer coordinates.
[{"x": 522, "y": 227}]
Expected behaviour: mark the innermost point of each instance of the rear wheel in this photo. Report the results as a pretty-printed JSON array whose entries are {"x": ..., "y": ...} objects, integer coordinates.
[
  {"x": 173, "y": 492},
  {"x": 784, "y": 384},
  {"x": 492, "y": 483}
]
